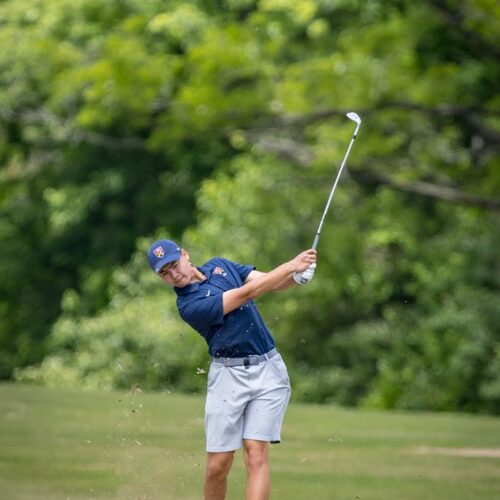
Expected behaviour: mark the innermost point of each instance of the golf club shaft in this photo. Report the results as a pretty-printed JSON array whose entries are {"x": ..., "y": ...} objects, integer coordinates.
[{"x": 318, "y": 232}]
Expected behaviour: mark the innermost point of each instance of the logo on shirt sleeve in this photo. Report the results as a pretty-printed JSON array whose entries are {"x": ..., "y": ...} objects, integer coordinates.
[{"x": 219, "y": 270}]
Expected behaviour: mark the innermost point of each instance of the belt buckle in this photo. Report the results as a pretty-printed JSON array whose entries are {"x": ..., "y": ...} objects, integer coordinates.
[{"x": 252, "y": 359}]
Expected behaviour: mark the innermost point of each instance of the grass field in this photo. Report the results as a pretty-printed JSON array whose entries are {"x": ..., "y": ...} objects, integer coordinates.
[{"x": 73, "y": 445}]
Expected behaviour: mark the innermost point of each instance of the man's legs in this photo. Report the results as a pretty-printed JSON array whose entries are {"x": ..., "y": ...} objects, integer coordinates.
[
  {"x": 256, "y": 455},
  {"x": 218, "y": 467}
]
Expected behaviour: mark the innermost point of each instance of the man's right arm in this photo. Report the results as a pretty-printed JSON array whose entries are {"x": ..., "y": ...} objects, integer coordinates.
[
  {"x": 283, "y": 285},
  {"x": 232, "y": 299}
]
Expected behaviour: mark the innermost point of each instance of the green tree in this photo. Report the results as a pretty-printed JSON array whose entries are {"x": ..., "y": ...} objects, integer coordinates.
[{"x": 227, "y": 118}]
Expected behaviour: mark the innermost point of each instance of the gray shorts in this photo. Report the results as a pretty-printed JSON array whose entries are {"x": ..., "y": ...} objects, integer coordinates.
[{"x": 245, "y": 403}]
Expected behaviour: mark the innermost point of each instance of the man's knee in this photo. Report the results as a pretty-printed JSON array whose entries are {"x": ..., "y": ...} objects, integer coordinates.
[
  {"x": 219, "y": 464},
  {"x": 256, "y": 454}
]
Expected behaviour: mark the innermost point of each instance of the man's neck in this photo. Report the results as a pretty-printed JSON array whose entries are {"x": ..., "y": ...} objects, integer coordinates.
[{"x": 198, "y": 276}]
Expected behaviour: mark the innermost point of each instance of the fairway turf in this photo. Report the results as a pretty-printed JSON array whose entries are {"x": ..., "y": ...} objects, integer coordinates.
[{"x": 62, "y": 444}]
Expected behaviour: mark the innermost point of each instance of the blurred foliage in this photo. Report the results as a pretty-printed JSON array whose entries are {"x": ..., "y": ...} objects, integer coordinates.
[
  {"x": 220, "y": 124},
  {"x": 135, "y": 341}
]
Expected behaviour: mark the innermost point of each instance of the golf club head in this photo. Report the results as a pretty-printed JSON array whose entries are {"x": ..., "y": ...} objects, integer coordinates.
[{"x": 354, "y": 117}]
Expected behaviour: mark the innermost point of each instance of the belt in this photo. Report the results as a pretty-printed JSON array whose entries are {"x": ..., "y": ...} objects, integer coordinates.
[{"x": 252, "y": 359}]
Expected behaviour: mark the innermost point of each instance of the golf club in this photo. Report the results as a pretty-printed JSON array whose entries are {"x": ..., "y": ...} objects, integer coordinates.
[{"x": 355, "y": 118}]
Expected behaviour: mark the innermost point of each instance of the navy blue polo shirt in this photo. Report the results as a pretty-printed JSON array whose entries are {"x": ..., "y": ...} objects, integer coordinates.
[{"x": 241, "y": 332}]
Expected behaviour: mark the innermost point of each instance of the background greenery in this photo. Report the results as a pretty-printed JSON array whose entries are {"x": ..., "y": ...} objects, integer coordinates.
[{"x": 221, "y": 124}]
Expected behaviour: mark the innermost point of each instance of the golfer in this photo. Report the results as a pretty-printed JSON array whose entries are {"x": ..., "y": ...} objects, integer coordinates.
[{"x": 248, "y": 386}]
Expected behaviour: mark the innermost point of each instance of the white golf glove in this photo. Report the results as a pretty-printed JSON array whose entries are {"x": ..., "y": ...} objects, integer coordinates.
[{"x": 305, "y": 276}]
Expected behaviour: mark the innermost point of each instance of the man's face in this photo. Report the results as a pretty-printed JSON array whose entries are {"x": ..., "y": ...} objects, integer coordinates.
[{"x": 179, "y": 272}]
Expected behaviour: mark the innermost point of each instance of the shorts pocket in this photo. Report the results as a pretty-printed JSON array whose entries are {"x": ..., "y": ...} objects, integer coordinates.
[
  {"x": 279, "y": 368},
  {"x": 214, "y": 374}
]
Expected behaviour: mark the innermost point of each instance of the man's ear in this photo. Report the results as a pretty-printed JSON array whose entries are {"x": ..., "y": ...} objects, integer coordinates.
[{"x": 185, "y": 254}]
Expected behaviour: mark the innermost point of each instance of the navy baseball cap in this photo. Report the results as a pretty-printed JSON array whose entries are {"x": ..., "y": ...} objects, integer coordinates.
[{"x": 162, "y": 252}]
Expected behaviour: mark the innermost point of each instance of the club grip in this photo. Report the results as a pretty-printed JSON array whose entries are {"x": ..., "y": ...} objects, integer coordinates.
[{"x": 315, "y": 242}]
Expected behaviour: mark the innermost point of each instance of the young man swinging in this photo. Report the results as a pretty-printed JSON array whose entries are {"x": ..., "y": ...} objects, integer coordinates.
[{"x": 248, "y": 386}]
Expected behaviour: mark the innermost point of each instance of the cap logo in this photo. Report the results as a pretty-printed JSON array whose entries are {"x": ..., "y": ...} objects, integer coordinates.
[{"x": 159, "y": 252}]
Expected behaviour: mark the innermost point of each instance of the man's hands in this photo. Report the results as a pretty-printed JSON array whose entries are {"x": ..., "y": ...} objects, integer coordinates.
[
  {"x": 305, "y": 276},
  {"x": 305, "y": 265}
]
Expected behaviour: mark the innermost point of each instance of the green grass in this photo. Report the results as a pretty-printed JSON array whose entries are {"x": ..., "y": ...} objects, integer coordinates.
[{"x": 58, "y": 444}]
